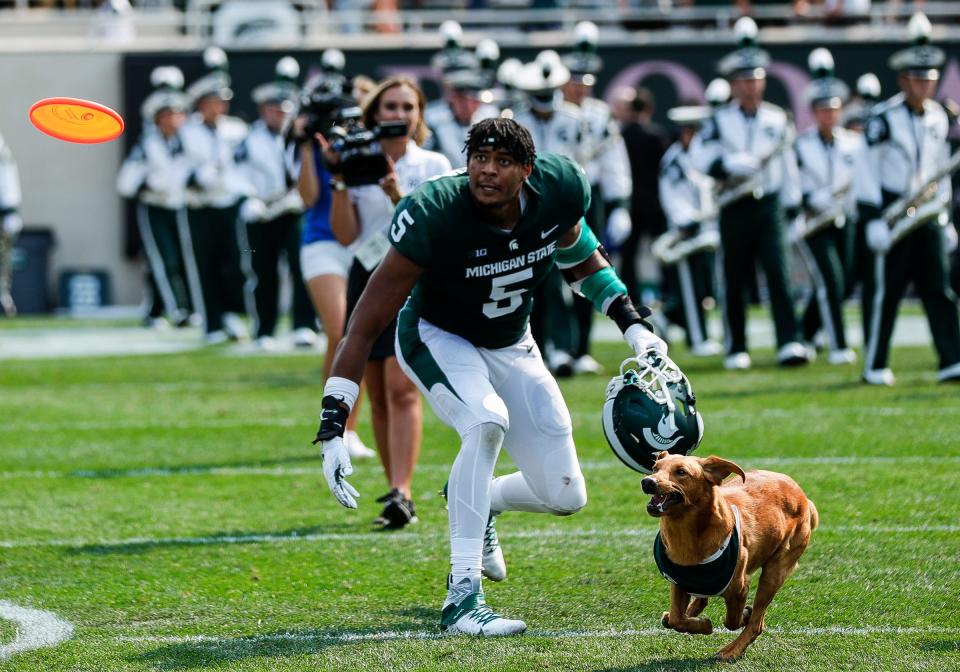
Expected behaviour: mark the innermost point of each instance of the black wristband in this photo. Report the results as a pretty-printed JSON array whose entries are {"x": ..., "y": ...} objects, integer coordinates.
[
  {"x": 333, "y": 419},
  {"x": 625, "y": 314}
]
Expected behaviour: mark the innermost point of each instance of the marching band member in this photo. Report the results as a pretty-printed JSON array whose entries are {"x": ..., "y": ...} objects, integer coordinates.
[
  {"x": 155, "y": 174},
  {"x": 748, "y": 145},
  {"x": 687, "y": 198},
  {"x": 270, "y": 216},
  {"x": 210, "y": 139},
  {"x": 833, "y": 173},
  {"x": 909, "y": 154},
  {"x": 603, "y": 155},
  {"x": 10, "y": 225}
]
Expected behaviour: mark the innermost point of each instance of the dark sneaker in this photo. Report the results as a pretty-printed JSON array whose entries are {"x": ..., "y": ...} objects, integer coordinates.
[{"x": 398, "y": 511}]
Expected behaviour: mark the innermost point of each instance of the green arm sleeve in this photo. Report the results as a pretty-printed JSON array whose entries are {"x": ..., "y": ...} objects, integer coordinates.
[
  {"x": 568, "y": 257},
  {"x": 601, "y": 287}
]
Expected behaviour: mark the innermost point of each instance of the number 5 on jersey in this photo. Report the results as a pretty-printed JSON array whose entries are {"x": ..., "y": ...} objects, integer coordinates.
[
  {"x": 499, "y": 293},
  {"x": 400, "y": 225}
]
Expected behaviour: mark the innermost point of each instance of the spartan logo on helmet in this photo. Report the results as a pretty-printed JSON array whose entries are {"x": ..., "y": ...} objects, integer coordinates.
[{"x": 650, "y": 407}]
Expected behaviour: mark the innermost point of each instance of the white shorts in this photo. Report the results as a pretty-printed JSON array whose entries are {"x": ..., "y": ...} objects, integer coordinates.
[
  {"x": 467, "y": 385},
  {"x": 325, "y": 257}
]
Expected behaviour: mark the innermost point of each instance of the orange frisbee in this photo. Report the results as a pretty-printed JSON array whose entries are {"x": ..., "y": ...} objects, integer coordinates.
[{"x": 76, "y": 120}]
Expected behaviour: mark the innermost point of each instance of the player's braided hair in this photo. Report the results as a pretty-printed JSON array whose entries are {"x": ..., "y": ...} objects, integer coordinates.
[{"x": 503, "y": 134}]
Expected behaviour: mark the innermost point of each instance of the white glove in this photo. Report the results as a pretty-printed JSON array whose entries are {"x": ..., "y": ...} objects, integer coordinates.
[
  {"x": 336, "y": 468},
  {"x": 949, "y": 238},
  {"x": 619, "y": 226},
  {"x": 207, "y": 176},
  {"x": 252, "y": 210},
  {"x": 641, "y": 339},
  {"x": 740, "y": 164},
  {"x": 820, "y": 200},
  {"x": 878, "y": 236},
  {"x": 12, "y": 224}
]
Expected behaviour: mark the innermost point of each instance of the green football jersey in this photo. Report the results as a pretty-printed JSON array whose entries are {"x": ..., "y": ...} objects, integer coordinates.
[{"x": 478, "y": 278}]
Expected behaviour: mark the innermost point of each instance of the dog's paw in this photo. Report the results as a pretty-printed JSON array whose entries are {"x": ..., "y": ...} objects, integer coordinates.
[
  {"x": 706, "y": 626},
  {"x": 665, "y": 620},
  {"x": 728, "y": 654}
]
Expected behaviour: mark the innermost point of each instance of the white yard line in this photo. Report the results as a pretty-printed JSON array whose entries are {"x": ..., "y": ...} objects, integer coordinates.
[
  {"x": 389, "y": 635},
  {"x": 559, "y": 534},
  {"x": 35, "y": 629},
  {"x": 587, "y": 465}
]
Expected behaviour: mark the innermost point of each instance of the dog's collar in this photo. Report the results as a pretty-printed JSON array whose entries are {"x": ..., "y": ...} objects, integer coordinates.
[{"x": 712, "y": 575}]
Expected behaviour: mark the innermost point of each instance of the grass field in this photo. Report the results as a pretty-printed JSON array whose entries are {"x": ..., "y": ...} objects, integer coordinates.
[{"x": 172, "y": 509}]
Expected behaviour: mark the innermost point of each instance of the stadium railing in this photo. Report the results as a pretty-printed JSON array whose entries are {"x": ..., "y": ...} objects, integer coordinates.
[{"x": 162, "y": 23}]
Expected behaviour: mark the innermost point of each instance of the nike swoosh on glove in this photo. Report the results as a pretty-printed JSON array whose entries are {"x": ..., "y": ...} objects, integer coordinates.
[{"x": 336, "y": 468}]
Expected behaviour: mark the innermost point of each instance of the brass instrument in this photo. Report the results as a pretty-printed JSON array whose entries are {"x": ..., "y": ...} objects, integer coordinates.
[
  {"x": 731, "y": 192},
  {"x": 907, "y": 213},
  {"x": 672, "y": 247},
  {"x": 834, "y": 216}
]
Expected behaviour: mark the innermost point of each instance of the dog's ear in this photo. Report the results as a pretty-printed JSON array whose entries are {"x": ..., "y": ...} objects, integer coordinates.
[
  {"x": 663, "y": 454},
  {"x": 716, "y": 469}
]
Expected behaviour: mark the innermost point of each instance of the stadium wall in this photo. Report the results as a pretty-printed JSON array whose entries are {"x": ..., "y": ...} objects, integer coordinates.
[{"x": 70, "y": 188}]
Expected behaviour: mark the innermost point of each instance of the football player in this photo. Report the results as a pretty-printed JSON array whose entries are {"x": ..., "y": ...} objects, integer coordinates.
[{"x": 468, "y": 248}]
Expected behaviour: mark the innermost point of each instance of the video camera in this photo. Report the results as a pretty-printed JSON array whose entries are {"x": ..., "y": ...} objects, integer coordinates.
[
  {"x": 321, "y": 102},
  {"x": 361, "y": 160}
]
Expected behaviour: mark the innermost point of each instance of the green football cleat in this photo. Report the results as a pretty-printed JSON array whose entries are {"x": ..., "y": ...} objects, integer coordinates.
[{"x": 465, "y": 612}]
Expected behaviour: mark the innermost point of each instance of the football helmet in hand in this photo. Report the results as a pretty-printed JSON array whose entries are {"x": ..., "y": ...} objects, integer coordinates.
[{"x": 650, "y": 407}]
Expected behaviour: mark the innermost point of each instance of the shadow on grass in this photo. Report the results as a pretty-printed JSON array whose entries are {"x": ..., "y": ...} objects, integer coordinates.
[
  {"x": 668, "y": 665},
  {"x": 941, "y": 645},
  {"x": 222, "y": 653},
  {"x": 195, "y": 468},
  {"x": 135, "y": 546}
]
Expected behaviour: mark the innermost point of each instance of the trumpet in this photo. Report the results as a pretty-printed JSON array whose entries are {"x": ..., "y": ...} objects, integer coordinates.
[
  {"x": 731, "y": 191},
  {"x": 913, "y": 210},
  {"x": 673, "y": 247}
]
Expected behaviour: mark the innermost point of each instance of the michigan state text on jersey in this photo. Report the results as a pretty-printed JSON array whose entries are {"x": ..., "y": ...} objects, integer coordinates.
[{"x": 477, "y": 278}]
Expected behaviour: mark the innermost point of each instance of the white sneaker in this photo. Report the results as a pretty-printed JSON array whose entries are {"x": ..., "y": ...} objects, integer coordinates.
[
  {"x": 845, "y": 356},
  {"x": 465, "y": 612},
  {"x": 793, "y": 354},
  {"x": 586, "y": 364},
  {"x": 215, "y": 337},
  {"x": 234, "y": 327},
  {"x": 879, "y": 377},
  {"x": 949, "y": 374},
  {"x": 738, "y": 361},
  {"x": 707, "y": 348},
  {"x": 267, "y": 343},
  {"x": 494, "y": 567},
  {"x": 304, "y": 338},
  {"x": 356, "y": 447}
]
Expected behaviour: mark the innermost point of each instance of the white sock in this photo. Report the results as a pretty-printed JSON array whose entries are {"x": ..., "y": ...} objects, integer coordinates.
[{"x": 468, "y": 498}]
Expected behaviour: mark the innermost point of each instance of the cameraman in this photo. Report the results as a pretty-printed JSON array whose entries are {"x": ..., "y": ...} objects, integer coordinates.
[
  {"x": 360, "y": 217},
  {"x": 324, "y": 262}
]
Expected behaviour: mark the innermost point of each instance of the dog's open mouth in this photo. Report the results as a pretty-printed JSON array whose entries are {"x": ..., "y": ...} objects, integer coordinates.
[{"x": 659, "y": 504}]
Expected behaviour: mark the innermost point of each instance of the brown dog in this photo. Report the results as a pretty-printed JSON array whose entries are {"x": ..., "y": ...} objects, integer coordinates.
[{"x": 728, "y": 531}]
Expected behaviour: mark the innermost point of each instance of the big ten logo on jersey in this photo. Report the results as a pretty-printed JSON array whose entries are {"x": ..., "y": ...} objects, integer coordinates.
[{"x": 400, "y": 224}]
